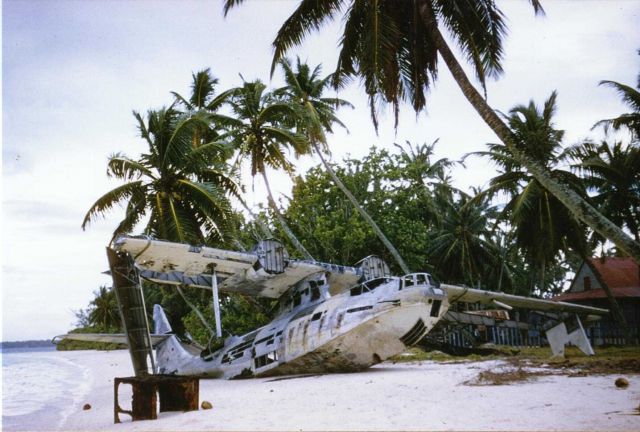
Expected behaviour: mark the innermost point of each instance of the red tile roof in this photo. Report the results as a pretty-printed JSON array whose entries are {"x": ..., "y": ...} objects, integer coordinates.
[
  {"x": 622, "y": 275},
  {"x": 617, "y": 272}
]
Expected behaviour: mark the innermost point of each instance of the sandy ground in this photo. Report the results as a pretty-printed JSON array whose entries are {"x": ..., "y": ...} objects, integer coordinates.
[{"x": 407, "y": 396}]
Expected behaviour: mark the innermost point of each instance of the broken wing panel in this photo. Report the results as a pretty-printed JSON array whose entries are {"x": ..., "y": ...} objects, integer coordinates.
[
  {"x": 182, "y": 264},
  {"x": 469, "y": 295}
]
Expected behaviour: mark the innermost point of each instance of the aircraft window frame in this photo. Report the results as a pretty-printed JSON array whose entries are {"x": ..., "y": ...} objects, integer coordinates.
[
  {"x": 408, "y": 278},
  {"x": 369, "y": 286},
  {"x": 356, "y": 290},
  {"x": 315, "y": 293},
  {"x": 265, "y": 359},
  {"x": 435, "y": 308},
  {"x": 375, "y": 283},
  {"x": 422, "y": 279}
]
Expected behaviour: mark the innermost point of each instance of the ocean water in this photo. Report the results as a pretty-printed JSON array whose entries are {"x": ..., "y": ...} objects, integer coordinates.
[{"x": 40, "y": 388}]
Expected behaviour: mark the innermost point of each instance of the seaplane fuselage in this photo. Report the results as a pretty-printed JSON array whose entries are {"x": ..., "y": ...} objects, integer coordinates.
[{"x": 315, "y": 332}]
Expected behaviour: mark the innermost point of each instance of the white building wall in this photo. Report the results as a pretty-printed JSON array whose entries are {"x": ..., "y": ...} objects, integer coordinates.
[{"x": 578, "y": 282}]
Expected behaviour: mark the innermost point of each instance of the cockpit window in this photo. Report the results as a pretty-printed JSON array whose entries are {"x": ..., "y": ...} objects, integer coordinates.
[
  {"x": 368, "y": 286},
  {"x": 408, "y": 281},
  {"x": 375, "y": 283},
  {"x": 421, "y": 279}
]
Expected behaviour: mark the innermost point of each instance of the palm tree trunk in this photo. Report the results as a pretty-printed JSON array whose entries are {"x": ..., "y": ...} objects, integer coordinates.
[
  {"x": 618, "y": 315},
  {"x": 543, "y": 271},
  {"x": 582, "y": 210},
  {"x": 283, "y": 223},
  {"x": 362, "y": 212}
]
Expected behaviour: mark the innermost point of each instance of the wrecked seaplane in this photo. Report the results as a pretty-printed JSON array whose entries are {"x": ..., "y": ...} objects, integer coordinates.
[{"x": 331, "y": 318}]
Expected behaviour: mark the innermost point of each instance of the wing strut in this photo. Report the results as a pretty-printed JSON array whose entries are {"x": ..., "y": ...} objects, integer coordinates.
[{"x": 216, "y": 303}]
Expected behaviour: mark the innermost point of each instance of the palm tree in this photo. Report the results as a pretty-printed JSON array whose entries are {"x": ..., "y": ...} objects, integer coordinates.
[
  {"x": 260, "y": 132},
  {"x": 103, "y": 310},
  {"x": 204, "y": 99},
  {"x": 630, "y": 120},
  {"x": 460, "y": 248},
  {"x": 613, "y": 173},
  {"x": 430, "y": 180},
  {"x": 181, "y": 187},
  {"x": 317, "y": 116},
  {"x": 543, "y": 226},
  {"x": 505, "y": 267},
  {"x": 394, "y": 47}
]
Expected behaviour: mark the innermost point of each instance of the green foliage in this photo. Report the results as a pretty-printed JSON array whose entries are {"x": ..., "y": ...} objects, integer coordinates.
[
  {"x": 388, "y": 44},
  {"x": 322, "y": 216},
  {"x": 182, "y": 183},
  {"x": 612, "y": 174},
  {"x": 631, "y": 97},
  {"x": 460, "y": 248},
  {"x": 239, "y": 315},
  {"x": 102, "y": 314},
  {"x": 543, "y": 227}
]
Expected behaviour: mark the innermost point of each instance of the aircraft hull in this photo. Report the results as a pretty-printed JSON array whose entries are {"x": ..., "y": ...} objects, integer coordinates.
[
  {"x": 368, "y": 343},
  {"x": 352, "y": 334}
]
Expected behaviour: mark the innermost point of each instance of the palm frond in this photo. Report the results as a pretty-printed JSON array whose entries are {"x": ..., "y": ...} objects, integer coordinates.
[
  {"x": 309, "y": 16},
  {"x": 122, "y": 167},
  {"x": 107, "y": 201}
]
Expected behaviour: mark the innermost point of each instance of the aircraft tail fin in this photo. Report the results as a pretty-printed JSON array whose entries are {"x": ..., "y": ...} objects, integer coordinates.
[{"x": 160, "y": 322}]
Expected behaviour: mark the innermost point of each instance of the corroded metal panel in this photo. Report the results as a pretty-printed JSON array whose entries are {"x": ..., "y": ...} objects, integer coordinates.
[
  {"x": 176, "y": 394},
  {"x": 126, "y": 284}
]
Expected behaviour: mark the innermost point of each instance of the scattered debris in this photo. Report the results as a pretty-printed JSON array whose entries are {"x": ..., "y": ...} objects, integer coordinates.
[
  {"x": 86, "y": 407},
  {"x": 505, "y": 376},
  {"x": 622, "y": 383},
  {"x": 206, "y": 405}
]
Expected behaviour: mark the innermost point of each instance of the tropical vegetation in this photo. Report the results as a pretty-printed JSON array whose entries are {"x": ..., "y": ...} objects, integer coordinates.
[
  {"x": 393, "y": 47},
  {"x": 521, "y": 234}
]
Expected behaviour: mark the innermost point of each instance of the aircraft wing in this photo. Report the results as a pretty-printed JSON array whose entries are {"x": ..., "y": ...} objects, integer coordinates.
[
  {"x": 115, "y": 338},
  {"x": 469, "y": 295},
  {"x": 244, "y": 272}
]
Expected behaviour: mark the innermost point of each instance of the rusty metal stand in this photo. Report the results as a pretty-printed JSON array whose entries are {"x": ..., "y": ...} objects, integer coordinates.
[{"x": 176, "y": 394}]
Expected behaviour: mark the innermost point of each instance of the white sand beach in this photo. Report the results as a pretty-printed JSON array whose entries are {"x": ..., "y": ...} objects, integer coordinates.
[{"x": 407, "y": 396}]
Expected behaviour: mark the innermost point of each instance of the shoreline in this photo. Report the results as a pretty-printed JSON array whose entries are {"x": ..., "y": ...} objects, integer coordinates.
[{"x": 403, "y": 396}]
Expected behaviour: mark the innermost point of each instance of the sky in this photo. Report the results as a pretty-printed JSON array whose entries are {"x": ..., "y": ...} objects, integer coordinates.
[{"x": 73, "y": 71}]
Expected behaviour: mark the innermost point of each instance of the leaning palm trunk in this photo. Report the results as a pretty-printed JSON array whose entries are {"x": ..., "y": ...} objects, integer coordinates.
[
  {"x": 283, "y": 223},
  {"x": 618, "y": 316},
  {"x": 582, "y": 210},
  {"x": 362, "y": 211}
]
